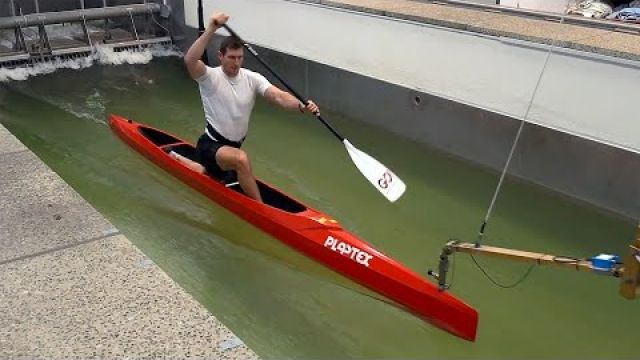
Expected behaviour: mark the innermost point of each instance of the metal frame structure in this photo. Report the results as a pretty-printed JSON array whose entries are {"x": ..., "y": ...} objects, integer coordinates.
[
  {"x": 120, "y": 19},
  {"x": 628, "y": 271}
]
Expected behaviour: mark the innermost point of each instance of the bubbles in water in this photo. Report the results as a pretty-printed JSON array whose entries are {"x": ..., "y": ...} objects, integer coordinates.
[{"x": 92, "y": 108}]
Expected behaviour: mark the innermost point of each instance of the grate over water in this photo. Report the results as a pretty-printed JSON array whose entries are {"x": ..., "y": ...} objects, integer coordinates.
[{"x": 26, "y": 40}]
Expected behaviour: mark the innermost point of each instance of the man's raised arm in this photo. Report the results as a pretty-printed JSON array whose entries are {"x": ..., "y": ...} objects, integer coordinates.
[{"x": 192, "y": 58}]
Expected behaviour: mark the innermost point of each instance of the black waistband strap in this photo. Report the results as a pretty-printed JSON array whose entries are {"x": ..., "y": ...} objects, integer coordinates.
[{"x": 215, "y": 136}]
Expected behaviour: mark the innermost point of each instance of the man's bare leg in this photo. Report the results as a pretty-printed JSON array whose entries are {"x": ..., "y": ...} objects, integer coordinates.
[
  {"x": 188, "y": 162},
  {"x": 230, "y": 158}
]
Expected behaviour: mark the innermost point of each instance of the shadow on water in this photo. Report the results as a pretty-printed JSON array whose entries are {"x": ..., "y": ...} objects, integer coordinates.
[{"x": 285, "y": 305}]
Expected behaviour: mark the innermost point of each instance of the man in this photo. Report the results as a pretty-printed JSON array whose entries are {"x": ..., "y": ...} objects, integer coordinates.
[{"x": 228, "y": 94}]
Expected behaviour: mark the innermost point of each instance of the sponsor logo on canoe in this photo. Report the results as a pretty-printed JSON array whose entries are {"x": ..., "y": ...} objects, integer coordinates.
[
  {"x": 352, "y": 252},
  {"x": 323, "y": 220}
]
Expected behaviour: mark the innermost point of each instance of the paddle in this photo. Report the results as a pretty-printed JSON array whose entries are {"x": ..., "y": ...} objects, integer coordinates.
[
  {"x": 378, "y": 175},
  {"x": 204, "y": 58}
]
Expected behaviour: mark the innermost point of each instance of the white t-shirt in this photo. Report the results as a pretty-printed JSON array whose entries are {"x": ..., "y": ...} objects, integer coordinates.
[{"x": 228, "y": 101}]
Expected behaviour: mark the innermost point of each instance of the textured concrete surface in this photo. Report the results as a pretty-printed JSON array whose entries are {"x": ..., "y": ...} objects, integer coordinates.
[
  {"x": 103, "y": 299},
  {"x": 40, "y": 212},
  {"x": 9, "y": 143},
  {"x": 71, "y": 286},
  {"x": 624, "y": 43}
]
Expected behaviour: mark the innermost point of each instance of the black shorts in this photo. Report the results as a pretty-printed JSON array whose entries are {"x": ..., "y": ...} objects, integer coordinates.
[{"x": 206, "y": 150}]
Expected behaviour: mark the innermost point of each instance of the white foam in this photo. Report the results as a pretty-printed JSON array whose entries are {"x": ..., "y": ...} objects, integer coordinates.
[
  {"x": 103, "y": 56},
  {"x": 106, "y": 56},
  {"x": 165, "y": 51}
]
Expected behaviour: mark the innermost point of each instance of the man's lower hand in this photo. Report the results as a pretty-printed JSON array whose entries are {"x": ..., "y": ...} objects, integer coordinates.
[{"x": 311, "y": 107}]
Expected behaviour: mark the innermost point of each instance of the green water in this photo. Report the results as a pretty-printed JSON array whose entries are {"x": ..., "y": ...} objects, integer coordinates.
[{"x": 284, "y": 305}]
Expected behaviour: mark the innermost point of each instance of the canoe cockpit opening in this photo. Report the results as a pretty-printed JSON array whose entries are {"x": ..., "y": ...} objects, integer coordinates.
[
  {"x": 158, "y": 137},
  {"x": 269, "y": 196}
]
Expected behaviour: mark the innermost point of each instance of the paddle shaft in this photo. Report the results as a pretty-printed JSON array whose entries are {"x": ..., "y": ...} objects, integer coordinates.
[
  {"x": 204, "y": 58},
  {"x": 292, "y": 90}
]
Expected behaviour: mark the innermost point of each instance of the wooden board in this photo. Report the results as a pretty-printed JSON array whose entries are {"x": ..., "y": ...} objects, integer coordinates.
[{"x": 630, "y": 284}]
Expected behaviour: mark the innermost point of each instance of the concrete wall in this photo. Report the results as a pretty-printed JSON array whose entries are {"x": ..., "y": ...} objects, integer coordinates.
[
  {"x": 176, "y": 21},
  {"x": 5, "y": 8},
  {"x": 554, "y": 6}
]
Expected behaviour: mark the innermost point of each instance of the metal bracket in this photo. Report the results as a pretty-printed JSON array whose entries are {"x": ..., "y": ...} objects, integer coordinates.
[{"x": 443, "y": 266}]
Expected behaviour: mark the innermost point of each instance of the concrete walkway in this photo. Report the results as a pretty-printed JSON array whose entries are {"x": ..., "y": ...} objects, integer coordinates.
[
  {"x": 72, "y": 286},
  {"x": 624, "y": 42}
]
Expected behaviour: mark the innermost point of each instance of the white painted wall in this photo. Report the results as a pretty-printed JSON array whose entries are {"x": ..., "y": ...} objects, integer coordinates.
[
  {"x": 586, "y": 97},
  {"x": 554, "y": 6}
]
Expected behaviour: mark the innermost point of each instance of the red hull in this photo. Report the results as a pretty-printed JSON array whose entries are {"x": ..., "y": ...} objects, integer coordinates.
[{"x": 318, "y": 236}]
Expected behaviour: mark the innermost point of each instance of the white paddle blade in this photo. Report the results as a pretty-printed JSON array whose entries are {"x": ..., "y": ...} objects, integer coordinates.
[{"x": 378, "y": 175}]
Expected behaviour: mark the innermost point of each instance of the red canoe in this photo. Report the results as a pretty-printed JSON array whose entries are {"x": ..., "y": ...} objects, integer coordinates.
[{"x": 309, "y": 231}]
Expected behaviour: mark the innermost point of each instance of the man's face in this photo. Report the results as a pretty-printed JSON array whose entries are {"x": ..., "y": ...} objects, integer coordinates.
[{"x": 231, "y": 61}]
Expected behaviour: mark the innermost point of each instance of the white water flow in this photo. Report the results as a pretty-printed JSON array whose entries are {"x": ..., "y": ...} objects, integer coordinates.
[{"x": 102, "y": 55}]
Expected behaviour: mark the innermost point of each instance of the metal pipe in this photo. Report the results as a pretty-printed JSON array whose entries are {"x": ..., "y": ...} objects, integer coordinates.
[
  {"x": 13, "y": 8},
  {"x": 135, "y": 31},
  {"x": 20, "y": 43},
  {"x": 43, "y": 42},
  {"x": 37, "y": 6},
  {"x": 77, "y": 15},
  {"x": 85, "y": 29}
]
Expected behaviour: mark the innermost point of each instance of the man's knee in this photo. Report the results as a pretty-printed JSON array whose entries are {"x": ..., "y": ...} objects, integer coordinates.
[
  {"x": 233, "y": 159},
  {"x": 241, "y": 161}
]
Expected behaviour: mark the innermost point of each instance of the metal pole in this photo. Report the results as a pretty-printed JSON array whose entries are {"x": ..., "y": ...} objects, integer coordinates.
[
  {"x": 135, "y": 31},
  {"x": 45, "y": 37},
  {"x": 107, "y": 33},
  {"x": 9, "y": 22},
  {"x": 82, "y": 4},
  {"x": 87, "y": 33},
  {"x": 20, "y": 43},
  {"x": 13, "y": 8},
  {"x": 37, "y": 6}
]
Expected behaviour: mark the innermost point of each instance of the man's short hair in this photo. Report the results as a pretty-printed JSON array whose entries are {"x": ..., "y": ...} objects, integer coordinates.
[{"x": 230, "y": 42}]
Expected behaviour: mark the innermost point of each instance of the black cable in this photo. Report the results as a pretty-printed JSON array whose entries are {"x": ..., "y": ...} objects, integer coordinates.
[
  {"x": 157, "y": 23},
  {"x": 518, "y": 282}
]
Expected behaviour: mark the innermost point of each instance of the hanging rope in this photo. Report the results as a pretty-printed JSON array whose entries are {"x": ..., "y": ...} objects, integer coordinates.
[{"x": 516, "y": 139}]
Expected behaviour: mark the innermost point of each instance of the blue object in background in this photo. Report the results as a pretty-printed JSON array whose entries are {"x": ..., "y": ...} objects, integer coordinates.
[{"x": 604, "y": 262}]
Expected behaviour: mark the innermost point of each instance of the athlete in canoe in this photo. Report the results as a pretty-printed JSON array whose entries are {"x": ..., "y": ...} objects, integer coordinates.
[{"x": 228, "y": 94}]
